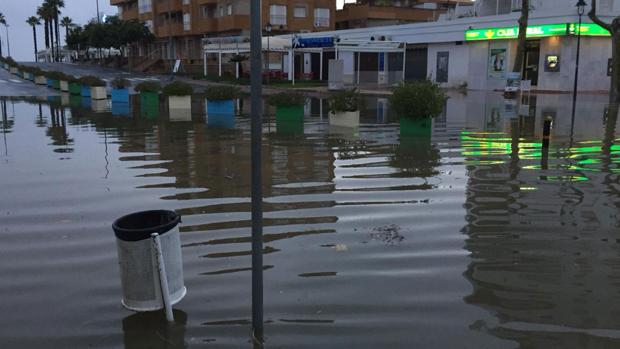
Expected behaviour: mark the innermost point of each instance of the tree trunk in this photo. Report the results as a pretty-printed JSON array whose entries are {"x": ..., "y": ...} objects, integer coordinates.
[
  {"x": 51, "y": 29},
  {"x": 34, "y": 35},
  {"x": 47, "y": 35},
  {"x": 57, "y": 28},
  {"x": 523, "y": 20},
  {"x": 614, "y": 91}
]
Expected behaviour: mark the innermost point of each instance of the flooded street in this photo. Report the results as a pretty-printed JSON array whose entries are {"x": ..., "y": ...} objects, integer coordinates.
[{"x": 477, "y": 237}]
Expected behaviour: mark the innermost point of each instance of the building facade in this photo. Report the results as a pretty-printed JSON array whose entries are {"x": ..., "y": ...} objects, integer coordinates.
[
  {"x": 477, "y": 50},
  {"x": 375, "y": 13},
  {"x": 180, "y": 25}
]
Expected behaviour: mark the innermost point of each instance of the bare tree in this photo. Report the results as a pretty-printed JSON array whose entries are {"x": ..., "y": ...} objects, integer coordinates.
[
  {"x": 614, "y": 29},
  {"x": 523, "y": 20}
]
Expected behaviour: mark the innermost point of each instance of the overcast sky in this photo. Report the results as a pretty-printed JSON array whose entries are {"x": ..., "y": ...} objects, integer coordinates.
[{"x": 20, "y": 33}]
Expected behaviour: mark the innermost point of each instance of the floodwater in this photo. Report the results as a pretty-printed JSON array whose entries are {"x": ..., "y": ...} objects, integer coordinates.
[{"x": 475, "y": 237}]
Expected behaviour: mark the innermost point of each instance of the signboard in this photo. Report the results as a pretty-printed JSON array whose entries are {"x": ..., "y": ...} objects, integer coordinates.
[
  {"x": 299, "y": 42},
  {"x": 536, "y": 31},
  {"x": 588, "y": 29},
  {"x": 177, "y": 65},
  {"x": 497, "y": 61}
]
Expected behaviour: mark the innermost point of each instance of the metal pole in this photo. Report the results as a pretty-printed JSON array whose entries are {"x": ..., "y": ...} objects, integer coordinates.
[
  {"x": 161, "y": 275},
  {"x": 321, "y": 65},
  {"x": 268, "y": 67},
  {"x": 98, "y": 16},
  {"x": 359, "y": 54},
  {"x": 257, "y": 189},
  {"x": 404, "y": 62},
  {"x": 577, "y": 66}
]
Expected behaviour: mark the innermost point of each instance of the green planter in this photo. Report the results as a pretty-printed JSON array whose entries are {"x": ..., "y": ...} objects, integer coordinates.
[
  {"x": 149, "y": 104},
  {"x": 290, "y": 113},
  {"x": 416, "y": 127},
  {"x": 75, "y": 88},
  {"x": 56, "y": 84}
]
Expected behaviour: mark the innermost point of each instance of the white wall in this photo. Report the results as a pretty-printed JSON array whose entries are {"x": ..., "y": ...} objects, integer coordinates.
[{"x": 458, "y": 63}]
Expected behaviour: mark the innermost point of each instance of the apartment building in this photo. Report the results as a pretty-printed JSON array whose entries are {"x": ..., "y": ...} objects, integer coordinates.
[
  {"x": 180, "y": 25},
  {"x": 375, "y": 13}
]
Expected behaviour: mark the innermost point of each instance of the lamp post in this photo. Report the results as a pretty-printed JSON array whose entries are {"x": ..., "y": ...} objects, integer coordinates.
[
  {"x": 581, "y": 7},
  {"x": 268, "y": 30},
  {"x": 98, "y": 17}
]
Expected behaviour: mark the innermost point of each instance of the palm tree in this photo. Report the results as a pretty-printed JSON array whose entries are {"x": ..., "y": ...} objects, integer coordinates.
[
  {"x": 45, "y": 12},
  {"x": 66, "y": 23},
  {"x": 56, "y": 5},
  {"x": 3, "y": 21},
  {"x": 33, "y": 21}
]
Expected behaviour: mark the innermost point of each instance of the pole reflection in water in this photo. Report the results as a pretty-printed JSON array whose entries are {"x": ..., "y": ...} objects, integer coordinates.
[{"x": 151, "y": 330}]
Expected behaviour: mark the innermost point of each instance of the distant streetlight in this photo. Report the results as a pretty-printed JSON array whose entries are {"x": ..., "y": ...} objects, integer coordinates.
[
  {"x": 581, "y": 7},
  {"x": 268, "y": 29}
]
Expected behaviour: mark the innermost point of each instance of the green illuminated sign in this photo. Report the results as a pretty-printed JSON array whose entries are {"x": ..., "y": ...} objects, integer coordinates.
[
  {"x": 588, "y": 29},
  {"x": 535, "y": 31}
]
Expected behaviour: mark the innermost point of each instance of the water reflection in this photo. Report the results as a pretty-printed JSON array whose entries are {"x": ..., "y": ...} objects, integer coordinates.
[
  {"x": 151, "y": 330},
  {"x": 544, "y": 248}
]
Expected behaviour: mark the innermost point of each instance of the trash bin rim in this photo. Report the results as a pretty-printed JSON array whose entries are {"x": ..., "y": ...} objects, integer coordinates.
[{"x": 126, "y": 234}]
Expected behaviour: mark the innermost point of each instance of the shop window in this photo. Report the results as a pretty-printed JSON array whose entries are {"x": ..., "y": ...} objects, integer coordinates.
[
  {"x": 186, "y": 22},
  {"x": 145, "y": 6}
]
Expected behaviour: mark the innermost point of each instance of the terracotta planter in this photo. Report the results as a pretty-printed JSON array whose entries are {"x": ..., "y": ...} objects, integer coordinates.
[
  {"x": 98, "y": 93},
  {"x": 345, "y": 119}
]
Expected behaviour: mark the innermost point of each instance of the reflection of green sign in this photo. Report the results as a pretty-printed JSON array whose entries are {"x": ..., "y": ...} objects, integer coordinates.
[
  {"x": 535, "y": 31},
  {"x": 588, "y": 29}
]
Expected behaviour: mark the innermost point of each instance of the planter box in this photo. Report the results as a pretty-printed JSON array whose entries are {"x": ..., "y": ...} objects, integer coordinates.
[
  {"x": 55, "y": 84},
  {"x": 30, "y": 76},
  {"x": 225, "y": 107},
  {"x": 40, "y": 80},
  {"x": 180, "y": 102},
  {"x": 49, "y": 82},
  {"x": 86, "y": 102},
  {"x": 64, "y": 86},
  {"x": 149, "y": 104},
  {"x": 120, "y": 95},
  {"x": 416, "y": 127},
  {"x": 13, "y": 70},
  {"x": 98, "y": 92},
  {"x": 64, "y": 99},
  {"x": 99, "y": 105},
  {"x": 75, "y": 88},
  {"x": 75, "y": 101},
  {"x": 290, "y": 113},
  {"x": 85, "y": 91},
  {"x": 120, "y": 109},
  {"x": 345, "y": 119},
  {"x": 221, "y": 120}
]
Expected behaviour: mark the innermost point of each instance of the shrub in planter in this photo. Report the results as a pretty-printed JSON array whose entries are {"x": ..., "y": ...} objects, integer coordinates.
[
  {"x": 179, "y": 95},
  {"x": 344, "y": 108},
  {"x": 39, "y": 76},
  {"x": 416, "y": 103},
  {"x": 53, "y": 79},
  {"x": 149, "y": 97},
  {"x": 289, "y": 107},
  {"x": 120, "y": 90},
  {"x": 95, "y": 86},
  {"x": 65, "y": 80},
  {"x": 220, "y": 100}
]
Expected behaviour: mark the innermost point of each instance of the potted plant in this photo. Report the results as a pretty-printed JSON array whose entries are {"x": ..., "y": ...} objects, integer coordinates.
[
  {"x": 64, "y": 82},
  {"x": 120, "y": 90},
  {"x": 75, "y": 86},
  {"x": 53, "y": 79},
  {"x": 96, "y": 86},
  {"x": 289, "y": 105},
  {"x": 220, "y": 99},
  {"x": 149, "y": 94},
  {"x": 39, "y": 76},
  {"x": 344, "y": 108},
  {"x": 179, "y": 95},
  {"x": 416, "y": 103}
]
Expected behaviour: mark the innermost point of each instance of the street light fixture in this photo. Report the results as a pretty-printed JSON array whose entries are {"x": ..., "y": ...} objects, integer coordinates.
[
  {"x": 581, "y": 8},
  {"x": 268, "y": 29}
]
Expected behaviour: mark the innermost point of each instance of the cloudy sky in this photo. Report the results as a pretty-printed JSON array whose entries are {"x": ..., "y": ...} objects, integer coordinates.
[{"x": 20, "y": 33}]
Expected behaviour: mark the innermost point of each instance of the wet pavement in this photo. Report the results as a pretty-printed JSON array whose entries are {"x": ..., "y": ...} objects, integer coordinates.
[{"x": 476, "y": 236}]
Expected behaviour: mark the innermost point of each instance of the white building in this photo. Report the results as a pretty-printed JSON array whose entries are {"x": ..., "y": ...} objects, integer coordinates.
[{"x": 473, "y": 47}]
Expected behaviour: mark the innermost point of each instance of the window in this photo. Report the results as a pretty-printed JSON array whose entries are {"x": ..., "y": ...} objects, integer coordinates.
[
  {"x": 277, "y": 14},
  {"x": 145, "y": 6},
  {"x": 229, "y": 9},
  {"x": 321, "y": 17},
  {"x": 185, "y": 2},
  {"x": 208, "y": 11},
  {"x": 300, "y": 12},
  {"x": 186, "y": 22}
]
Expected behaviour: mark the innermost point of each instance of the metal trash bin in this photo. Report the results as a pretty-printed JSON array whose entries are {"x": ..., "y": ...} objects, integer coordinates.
[{"x": 140, "y": 275}]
